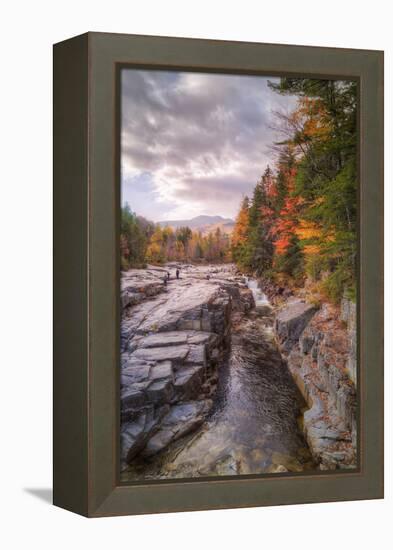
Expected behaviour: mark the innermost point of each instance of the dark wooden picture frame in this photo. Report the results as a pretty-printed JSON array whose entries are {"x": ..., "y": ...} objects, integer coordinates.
[{"x": 86, "y": 274}]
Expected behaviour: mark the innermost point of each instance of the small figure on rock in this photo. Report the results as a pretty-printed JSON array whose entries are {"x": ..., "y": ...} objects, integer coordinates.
[
  {"x": 168, "y": 275},
  {"x": 177, "y": 273}
]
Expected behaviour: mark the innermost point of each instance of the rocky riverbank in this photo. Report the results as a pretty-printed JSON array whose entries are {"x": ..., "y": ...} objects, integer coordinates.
[
  {"x": 319, "y": 344},
  {"x": 215, "y": 396},
  {"x": 173, "y": 338},
  {"x": 217, "y": 381}
]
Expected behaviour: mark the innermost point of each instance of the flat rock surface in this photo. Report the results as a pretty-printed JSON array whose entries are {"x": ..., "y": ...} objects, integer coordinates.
[
  {"x": 293, "y": 310},
  {"x": 179, "y": 304},
  {"x": 174, "y": 353},
  {"x": 169, "y": 333}
]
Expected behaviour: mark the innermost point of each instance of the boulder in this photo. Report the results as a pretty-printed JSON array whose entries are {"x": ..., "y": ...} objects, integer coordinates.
[{"x": 291, "y": 321}]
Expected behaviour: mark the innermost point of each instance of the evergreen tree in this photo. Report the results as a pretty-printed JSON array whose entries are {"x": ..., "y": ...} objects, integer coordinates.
[{"x": 258, "y": 251}]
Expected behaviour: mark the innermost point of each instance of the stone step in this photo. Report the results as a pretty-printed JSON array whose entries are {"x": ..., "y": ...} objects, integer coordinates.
[{"x": 166, "y": 353}]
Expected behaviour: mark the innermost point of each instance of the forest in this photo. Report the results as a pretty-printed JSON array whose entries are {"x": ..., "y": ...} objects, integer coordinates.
[
  {"x": 142, "y": 242},
  {"x": 300, "y": 221}
]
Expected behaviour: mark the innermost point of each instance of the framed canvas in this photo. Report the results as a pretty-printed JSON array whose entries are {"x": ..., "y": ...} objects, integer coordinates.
[{"x": 218, "y": 274}]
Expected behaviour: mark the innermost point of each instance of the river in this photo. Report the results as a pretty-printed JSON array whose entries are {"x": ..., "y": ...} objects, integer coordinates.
[{"x": 254, "y": 426}]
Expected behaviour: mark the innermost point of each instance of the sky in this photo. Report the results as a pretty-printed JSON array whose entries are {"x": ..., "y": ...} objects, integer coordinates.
[{"x": 194, "y": 143}]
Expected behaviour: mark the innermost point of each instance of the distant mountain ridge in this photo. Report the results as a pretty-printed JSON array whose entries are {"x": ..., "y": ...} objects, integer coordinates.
[{"x": 203, "y": 223}]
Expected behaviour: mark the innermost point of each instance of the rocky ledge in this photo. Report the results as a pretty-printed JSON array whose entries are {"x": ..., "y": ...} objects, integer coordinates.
[
  {"x": 173, "y": 338},
  {"x": 320, "y": 347}
]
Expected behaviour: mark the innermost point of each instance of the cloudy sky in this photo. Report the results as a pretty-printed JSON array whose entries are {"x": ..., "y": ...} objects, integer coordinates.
[{"x": 194, "y": 143}]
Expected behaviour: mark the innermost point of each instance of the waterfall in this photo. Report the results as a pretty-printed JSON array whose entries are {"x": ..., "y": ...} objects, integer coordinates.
[{"x": 260, "y": 297}]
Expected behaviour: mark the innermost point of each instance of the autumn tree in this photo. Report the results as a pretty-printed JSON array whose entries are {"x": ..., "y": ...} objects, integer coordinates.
[
  {"x": 135, "y": 233},
  {"x": 302, "y": 216},
  {"x": 184, "y": 235},
  {"x": 240, "y": 233},
  {"x": 155, "y": 253},
  {"x": 324, "y": 134}
]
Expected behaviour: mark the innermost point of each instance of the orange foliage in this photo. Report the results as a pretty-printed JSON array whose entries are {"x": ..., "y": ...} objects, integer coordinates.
[
  {"x": 240, "y": 231},
  {"x": 316, "y": 123},
  {"x": 286, "y": 223}
]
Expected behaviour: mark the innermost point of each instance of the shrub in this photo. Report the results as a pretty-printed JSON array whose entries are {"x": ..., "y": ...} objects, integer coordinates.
[
  {"x": 336, "y": 284},
  {"x": 314, "y": 266}
]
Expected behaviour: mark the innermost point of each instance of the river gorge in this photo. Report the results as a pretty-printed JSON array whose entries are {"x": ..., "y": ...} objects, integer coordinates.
[{"x": 217, "y": 379}]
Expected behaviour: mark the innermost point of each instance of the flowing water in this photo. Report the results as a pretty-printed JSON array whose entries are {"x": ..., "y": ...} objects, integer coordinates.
[
  {"x": 260, "y": 297},
  {"x": 254, "y": 425}
]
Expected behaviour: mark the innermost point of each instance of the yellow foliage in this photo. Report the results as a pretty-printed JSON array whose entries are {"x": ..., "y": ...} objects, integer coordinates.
[
  {"x": 240, "y": 230},
  {"x": 154, "y": 253},
  {"x": 307, "y": 230}
]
